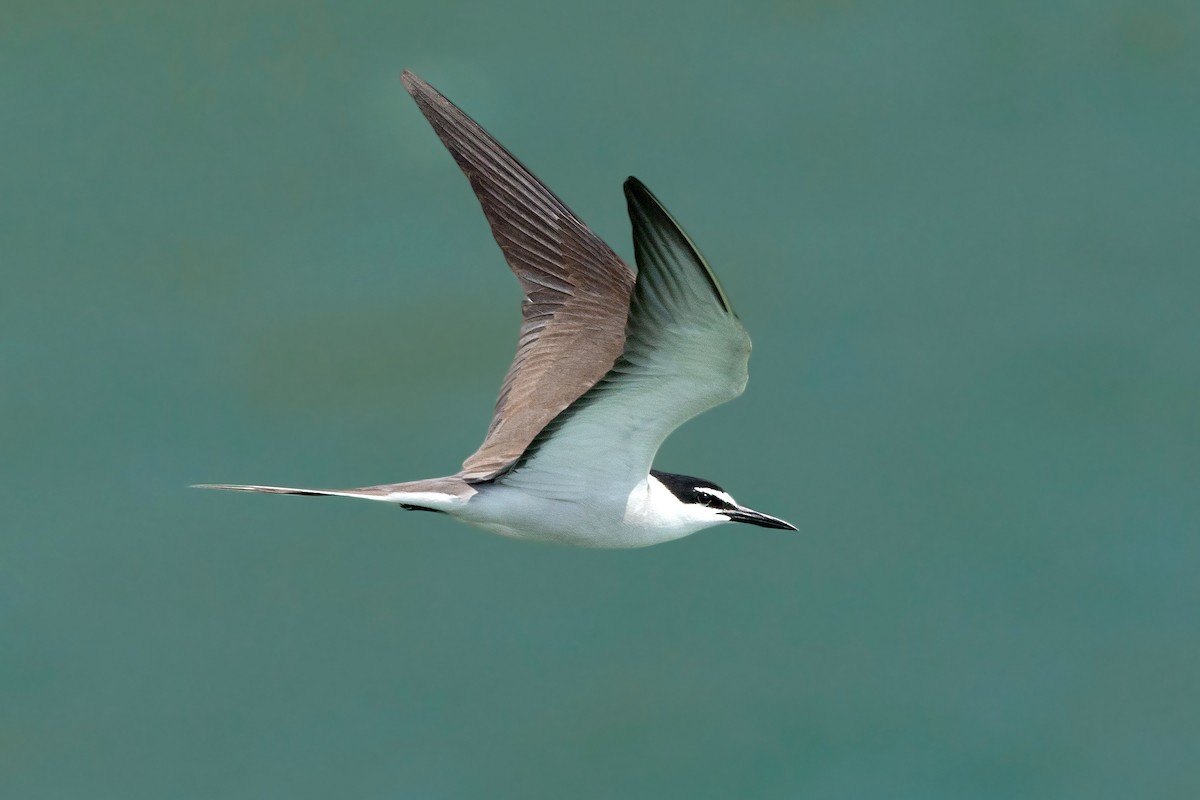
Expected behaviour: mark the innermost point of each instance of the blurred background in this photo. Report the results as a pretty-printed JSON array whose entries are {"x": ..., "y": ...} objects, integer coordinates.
[{"x": 963, "y": 237}]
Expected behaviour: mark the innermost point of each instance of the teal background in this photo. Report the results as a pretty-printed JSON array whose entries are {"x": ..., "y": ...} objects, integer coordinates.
[{"x": 963, "y": 236}]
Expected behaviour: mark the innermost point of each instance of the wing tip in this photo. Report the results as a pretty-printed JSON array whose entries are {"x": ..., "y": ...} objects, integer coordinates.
[
  {"x": 643, "y": 201},
  {"x": 412, "y": 81},
  {"x": 422, "y": 91},
  {"x": 635, "y": 190}
]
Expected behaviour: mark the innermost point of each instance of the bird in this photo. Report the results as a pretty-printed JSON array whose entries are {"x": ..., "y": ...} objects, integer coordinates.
[{"x": 608, "y": 364}]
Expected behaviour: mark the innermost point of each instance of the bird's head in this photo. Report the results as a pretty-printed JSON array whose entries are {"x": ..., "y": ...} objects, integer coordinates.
[{"x": 710, "y": 500}]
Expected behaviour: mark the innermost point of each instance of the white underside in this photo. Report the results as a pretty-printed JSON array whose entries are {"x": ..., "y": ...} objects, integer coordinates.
[{"x": 614, "y": 518}]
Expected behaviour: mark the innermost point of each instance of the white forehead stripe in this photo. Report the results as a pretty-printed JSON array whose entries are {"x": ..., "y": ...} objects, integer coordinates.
[{"x": 718, "y": 494}]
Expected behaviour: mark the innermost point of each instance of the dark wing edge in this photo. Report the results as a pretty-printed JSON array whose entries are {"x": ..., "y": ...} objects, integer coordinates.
[
  {"x": 661, "y": 246},
  {"x": 577, "y": 289}
]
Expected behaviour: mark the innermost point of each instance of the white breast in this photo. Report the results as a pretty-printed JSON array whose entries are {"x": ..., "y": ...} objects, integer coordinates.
[{"x": 644, "y": 515}]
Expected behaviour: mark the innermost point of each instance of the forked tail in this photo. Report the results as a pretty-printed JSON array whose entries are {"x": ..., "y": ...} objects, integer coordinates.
[
  {"x": 368, "y": 493},
  {"x": 437, "y": 494}
]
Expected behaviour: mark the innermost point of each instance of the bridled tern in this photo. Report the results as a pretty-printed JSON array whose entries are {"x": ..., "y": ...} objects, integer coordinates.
[{"x": 606, "y": 367}]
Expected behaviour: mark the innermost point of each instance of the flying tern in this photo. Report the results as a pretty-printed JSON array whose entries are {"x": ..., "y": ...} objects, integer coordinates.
[{"x": 608, "y": 364}]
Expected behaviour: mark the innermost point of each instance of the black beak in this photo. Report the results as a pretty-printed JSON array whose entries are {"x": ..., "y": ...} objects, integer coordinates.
[{"x": 761, "y": 520}]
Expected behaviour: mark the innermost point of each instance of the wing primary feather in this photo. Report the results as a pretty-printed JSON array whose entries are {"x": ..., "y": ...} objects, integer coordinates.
[
  {"x": 573, "y": 327},
  {"x": 657, "y": 226}
]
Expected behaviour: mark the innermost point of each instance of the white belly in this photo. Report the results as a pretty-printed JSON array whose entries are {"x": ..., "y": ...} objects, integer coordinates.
[{"x": 648, "y": 514}]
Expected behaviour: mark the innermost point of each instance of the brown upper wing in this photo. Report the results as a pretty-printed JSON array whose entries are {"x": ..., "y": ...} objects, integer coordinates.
[{"x": 577, "y": 289}]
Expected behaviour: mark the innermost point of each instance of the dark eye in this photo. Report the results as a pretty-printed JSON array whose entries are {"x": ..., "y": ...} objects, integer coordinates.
[{"x": 712, "y": 499}]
